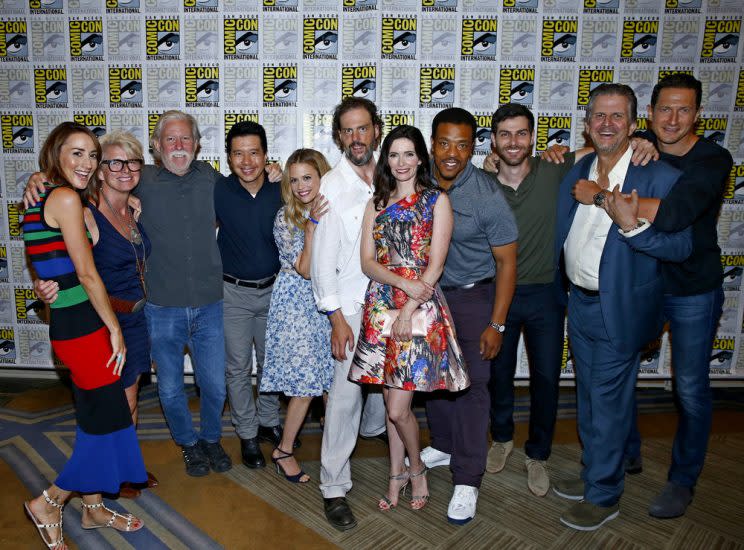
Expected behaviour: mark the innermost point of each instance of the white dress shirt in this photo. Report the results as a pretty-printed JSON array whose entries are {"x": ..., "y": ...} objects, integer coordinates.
[
  {"x": 335, "y": 265},
  {"x": 586, "y": 239}
]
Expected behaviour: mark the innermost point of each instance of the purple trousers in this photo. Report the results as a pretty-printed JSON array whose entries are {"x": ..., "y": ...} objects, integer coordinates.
[{"x": 458, "y": 422}]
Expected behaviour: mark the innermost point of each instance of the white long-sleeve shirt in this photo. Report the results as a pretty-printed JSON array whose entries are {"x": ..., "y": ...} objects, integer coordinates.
[{"x": 335, "y": 266}]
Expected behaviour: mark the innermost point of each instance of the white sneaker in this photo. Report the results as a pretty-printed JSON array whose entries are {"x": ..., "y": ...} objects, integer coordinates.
[
  {"x": 433, "y": 458},
  {"x": 462, "y": 505}
]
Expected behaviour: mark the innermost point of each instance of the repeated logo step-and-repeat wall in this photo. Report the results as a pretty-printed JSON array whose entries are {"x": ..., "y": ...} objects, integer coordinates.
[{"x": 113, "y": 64}]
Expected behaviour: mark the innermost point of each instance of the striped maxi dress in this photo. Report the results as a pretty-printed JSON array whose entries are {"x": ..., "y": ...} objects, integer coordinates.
[{"x": 106, "y": 451}]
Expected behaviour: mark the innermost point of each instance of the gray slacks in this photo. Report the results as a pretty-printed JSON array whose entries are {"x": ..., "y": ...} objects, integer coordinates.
[
  {"x": 342, "y": 423},
  {"x": 245, "y": 315}
]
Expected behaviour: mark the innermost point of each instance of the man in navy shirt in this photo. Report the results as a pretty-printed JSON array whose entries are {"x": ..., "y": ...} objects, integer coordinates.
[{"x": 245, "y": 204}]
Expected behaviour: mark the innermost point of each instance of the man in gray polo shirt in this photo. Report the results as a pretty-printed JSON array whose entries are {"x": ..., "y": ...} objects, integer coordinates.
[{"x": 483, "y": 245}]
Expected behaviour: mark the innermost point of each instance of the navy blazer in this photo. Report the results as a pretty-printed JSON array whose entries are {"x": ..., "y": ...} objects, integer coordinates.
[{"x": 631, "y": 288}]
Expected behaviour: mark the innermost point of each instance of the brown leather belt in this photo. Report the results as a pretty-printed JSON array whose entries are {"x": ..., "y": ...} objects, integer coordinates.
[{"x": 126, "y": 306}]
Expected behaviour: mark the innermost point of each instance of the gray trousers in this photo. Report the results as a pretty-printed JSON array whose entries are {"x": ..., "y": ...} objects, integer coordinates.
[
  {"x": 342, "y": 419},
  {"x": 245, "y": 315}
]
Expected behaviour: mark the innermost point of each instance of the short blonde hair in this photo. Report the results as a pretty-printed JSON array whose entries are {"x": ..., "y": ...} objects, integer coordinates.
[{"x": 125, "y": 140}]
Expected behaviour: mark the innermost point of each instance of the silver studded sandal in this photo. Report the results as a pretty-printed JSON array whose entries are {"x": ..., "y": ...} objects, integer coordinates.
[
  {"x": 42, "y": 527},
  {"x": 130, "y": 519}
]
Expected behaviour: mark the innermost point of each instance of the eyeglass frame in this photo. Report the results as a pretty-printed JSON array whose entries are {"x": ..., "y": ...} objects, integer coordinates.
[{"x": 123, "y": 162}]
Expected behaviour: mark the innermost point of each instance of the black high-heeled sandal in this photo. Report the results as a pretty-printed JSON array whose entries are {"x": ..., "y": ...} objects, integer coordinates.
[{"x": 296, "y": 478}]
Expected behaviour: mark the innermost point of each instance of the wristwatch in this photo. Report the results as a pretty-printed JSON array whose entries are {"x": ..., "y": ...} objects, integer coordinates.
[
  {"x": 499, "y": 328},
  {"x": 599, "y": 198}
]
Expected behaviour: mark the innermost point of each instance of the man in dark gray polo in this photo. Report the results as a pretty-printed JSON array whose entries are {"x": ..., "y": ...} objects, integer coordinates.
[{"x": 483, "y": 245}]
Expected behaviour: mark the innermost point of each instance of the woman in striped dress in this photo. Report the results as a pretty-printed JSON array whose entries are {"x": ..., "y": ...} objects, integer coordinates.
[{"x": 86, "y": 336}]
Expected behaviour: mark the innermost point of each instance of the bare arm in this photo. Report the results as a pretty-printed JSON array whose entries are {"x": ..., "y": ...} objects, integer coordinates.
[
  {"x": 34, "y": 188},
  {"x": 506, "y": 279},
  {"x": 63, "y": 209},
  {"x": 317, "y": 211}
]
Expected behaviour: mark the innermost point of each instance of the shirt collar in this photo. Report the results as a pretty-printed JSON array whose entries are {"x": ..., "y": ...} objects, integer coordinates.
[
  {"x": 347, "y": 169},
  {"x": 461, "y": 178},
  {"x": 618, "y": 172}
]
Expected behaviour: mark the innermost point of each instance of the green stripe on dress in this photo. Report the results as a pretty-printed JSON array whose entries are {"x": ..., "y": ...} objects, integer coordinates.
[{"x": 70, "y": 297}]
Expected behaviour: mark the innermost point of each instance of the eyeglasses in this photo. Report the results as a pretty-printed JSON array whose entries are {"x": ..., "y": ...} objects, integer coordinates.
[{"x": 117, "y": 165}]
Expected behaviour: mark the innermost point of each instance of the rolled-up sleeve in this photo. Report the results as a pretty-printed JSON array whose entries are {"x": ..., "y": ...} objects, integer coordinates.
[{"x": 324, "y": 262}]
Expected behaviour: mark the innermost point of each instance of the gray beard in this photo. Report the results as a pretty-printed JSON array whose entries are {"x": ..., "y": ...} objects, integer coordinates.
[{"x": 359, "y": 161}]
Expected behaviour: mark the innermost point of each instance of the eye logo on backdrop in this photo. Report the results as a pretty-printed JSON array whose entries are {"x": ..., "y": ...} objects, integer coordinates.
[
  {"x": 516, "y": 85},
  {"x": 320, "y": 38},
  {"x": 679, "y": 40},
  {"x": 241, "y": 38},
  {"x": 520, "y": 6},
  {"x": 552, "y": 130},
  {"x": 95, "y": 122},
  {"x": 45, "y": 7},
  {"x": 483, "y": 134},
  {"x": 720, "y": 40},
  {"x": 125, "y": 86},
  {"x": 639, "y": 40},
  {"x": 7, "y": 346},
  {"x": 202, "y": 86},
  {"x": 713, "y": 128},
  {"x": 601, "y": 6},
  {"x": 280, "y": 5},
  {"x": 683, "y": 6},
  {"x": 359, "y": 81},
  {"x": 13, "y": 41},
  {"x": 590, "y": 78},
  {"x": 162, "y": 38},
  {"x": 280, "y": 86},
  {"x": 559, "y": 37},
  {"x": 27, "y": 306},
  {"x": 199, "y": 6},
  {"x": 50, "y": 87},
  {"x": 478, "y": 39},
  {"x": 86, "y": 39},
  {"x": 18, "y": 132},
  {"x": 398, "y": 38},
  {"x": 122, "y": 6},
  {"x": 437, "y": 86}
]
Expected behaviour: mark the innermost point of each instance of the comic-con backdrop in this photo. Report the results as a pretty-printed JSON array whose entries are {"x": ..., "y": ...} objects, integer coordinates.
[{"x": 285, "y": 63}]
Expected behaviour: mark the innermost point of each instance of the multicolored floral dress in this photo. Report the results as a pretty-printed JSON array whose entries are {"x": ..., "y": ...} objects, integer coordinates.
[{"x": 402, "y": 234}]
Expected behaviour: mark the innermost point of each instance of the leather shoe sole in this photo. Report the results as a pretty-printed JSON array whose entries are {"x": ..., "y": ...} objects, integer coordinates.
[{"x": 339, "y": 514}]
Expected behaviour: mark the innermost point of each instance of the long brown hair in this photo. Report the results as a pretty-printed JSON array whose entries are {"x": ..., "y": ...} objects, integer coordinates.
[
  {"x": 49, "y": 154},
  {"x": 294, "y": 211}
]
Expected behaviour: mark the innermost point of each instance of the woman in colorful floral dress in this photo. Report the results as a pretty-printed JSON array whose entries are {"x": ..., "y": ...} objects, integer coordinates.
[{"x": 407, "y": 341}]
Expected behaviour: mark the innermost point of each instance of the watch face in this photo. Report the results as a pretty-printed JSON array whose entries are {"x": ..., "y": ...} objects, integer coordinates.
[{"x": 599, "y": 198}]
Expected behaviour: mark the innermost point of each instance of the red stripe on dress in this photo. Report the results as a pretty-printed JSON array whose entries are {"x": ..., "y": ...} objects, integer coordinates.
[
  {"x": 32, "y": 217},
  {"x": 46, "y": 247},
  {"x": 86, "y": 358}
]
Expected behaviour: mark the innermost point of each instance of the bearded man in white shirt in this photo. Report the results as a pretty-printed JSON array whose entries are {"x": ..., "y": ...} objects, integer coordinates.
[{"x": 339, "y": 286}]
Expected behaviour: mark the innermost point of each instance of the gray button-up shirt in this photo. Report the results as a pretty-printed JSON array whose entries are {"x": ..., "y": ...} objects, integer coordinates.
[{"x": 184, "y": 269}]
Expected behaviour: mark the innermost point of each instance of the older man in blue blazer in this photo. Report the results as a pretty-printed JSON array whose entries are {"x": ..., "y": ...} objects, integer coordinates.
[{"x": 612, "y": 260}]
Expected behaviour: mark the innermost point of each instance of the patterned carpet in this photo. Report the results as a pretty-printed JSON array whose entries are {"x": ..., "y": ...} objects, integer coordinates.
[{"x": 35, "y": 445}]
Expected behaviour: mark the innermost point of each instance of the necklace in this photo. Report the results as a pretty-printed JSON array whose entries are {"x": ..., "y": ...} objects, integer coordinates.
[{"x": 128, "y": 222}]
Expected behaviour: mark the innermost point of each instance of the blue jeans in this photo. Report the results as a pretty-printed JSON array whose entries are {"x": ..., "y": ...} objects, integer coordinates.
[
  {"x": 202, "y": 330},
  {"x": 535, "y": 310},
  {"x": 693, "y": 321}
]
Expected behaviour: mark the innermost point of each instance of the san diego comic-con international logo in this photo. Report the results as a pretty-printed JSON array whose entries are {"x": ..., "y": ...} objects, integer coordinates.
[
  {"x": 398, "y": 38},
  {"x": 359, "y": 5},
  {"x": 666, "y": 71},
  {"x": 559, "y": 37},
  {"x": 280, "y": 5},
  {"x": 122, "y": 6},
  {"x": 391, "y": 120},
  {"x": 86, "y": 39},
  {"x": 95, "y": 122},
  {"x": 739, "y": 100},
  {"x": 552, "y": 130},
  {"x": 13, "y": 41},
  {"x": 320, "y": 38},
  {"x": 601, "y": 6},
  {"x": 438, "y": 5},
  {"x": 721, "y": 356},
  {"x": 202, "y": 86},
  {"x": 683, "y": 6},
  {"x": 516, "y": 85},
  {"x": 28, "y": 307},
  {"x": 520, "y": 6},
  {"x": 639, "y": 40},
  {"x": 231, "y": 118},
  {"x": 712, "y": 128},
  {"x": 15, "y": 220},
  {"x": 735, "y": 185},
  {"x": 240, "y": 38},
  {"x": 162, "y": 38},
  {"x": 482, "y": 134},
  {"x": 590, "y": 78},
  {"x": 720, "y": 40},
  {"x": 199, "y": 6},
  {"x": 45, "y": 7},
  {"x": 17, "y": 132},
  {"x": 679, "y": 40},
  {"x": 125, "y": 86},
  {"x": 359, "y": 81},
  {"x": 50, "y": 87},
  {"x": 436, "y": 86},
  {"x": 280, "y": 85},
  {"x": 478, "y": 41},
  {"x": 7, "y": 346},
  {"x": 4, "y": 271}
]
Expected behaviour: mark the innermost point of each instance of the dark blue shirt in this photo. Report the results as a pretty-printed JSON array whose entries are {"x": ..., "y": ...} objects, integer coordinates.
[{"x": 246, "y": 236}]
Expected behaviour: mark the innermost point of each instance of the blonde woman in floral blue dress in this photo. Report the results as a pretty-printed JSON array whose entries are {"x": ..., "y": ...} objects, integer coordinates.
[{"x": 298, "y": 338}]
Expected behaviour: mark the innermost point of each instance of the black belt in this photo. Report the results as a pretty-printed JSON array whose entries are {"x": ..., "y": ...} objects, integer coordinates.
[
  {"x": 586, "y": 291},
  {"x": 249, "y": 284},
  {"x": 469, "y": 285}
]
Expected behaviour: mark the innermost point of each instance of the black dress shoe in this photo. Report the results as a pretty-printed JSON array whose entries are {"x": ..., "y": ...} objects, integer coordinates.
[
  {"x": 338, "y": 513},
  {"x": 251, "y": 453},
  {"x": 633, "y": 465},
  {"x": 273, "y": 435},
  {"x": 382, "y": 436}
]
